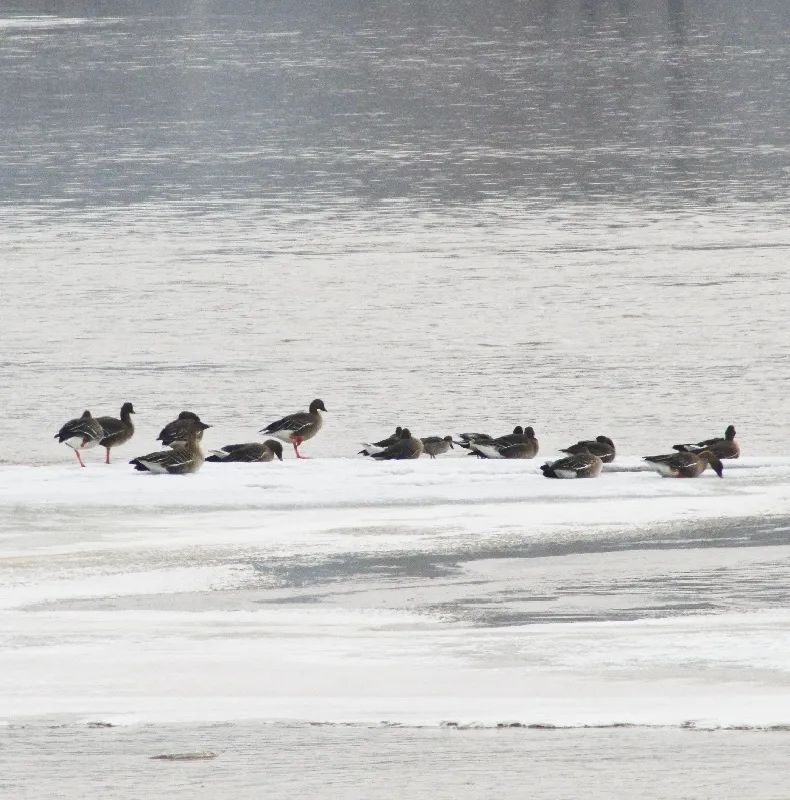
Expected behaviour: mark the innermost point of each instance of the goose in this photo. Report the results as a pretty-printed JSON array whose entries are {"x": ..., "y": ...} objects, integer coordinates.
[
  {"x": 117, "y": 431},
  {"x": 299, "y": 427},
  {"x": 725, "y": 447},
  {"x": 175, "y": 433},
  {"x": 406, "y": 447},
  {"x": 468, "y": 440},
  {"x": 377, "y": 447},
  {"x": 180, "y": 460},
  {"x": 81, "y": 433},
  {"x": 254, "y": 451},
  {"x": 684, "y": 465},
  {"x": 512, "y": 445},
  {"x": 436, "y": 445},
  {"x": 577, "y": 465},
  {"x": 601, "y": 446}
]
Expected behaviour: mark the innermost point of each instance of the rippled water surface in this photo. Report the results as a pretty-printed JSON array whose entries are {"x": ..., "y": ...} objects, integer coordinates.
[{"x": 449, "y": 215}]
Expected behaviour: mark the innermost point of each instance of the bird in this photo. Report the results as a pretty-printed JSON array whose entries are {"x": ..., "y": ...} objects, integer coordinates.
[
  {"x": 578, "y": 465},
  {"x": 436, "y": 445},
  {"x": 117, "y": 431},
  {"x": 512, "y": 445},
  {"x": 406, "y": 447},
  {"x": 179, "y": 460},
  {"x": 175, "y": 433},
  {"x": 601, "y": 446},
  {"x": 299, "y": 427},
  {"x": 684, "y": 465},
  {"x": 81, "y": 433},
  {"x": 377, "y": 447},
  {"x": 467, "y": 439},
  {"x": 725, "y": 447},
  {"x": 253, "y": 451}
]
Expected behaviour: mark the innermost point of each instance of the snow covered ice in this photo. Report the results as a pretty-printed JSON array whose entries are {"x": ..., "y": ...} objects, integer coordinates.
[{"x": 341, "y": 590}]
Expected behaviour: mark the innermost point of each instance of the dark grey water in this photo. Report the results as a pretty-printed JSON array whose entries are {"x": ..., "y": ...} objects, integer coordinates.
[{"x": 316, "y": 104}]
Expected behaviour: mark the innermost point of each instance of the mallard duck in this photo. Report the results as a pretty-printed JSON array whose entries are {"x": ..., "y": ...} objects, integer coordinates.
[
  {"x": 436, "y": 445},
  {"x": 578, "y": 465},
  {"x": 406, "y": 447},
  {"x": 723, "y": 448},
  {"x": 601, "y": 446},
  {"x": 117, "y": 431},
  {"x": 81, "y": 433},
  {"x": 179, "y": 460},
  {"x": 685, "y": 465},
  {"x": 254, "y": 451},
  {"x": 175, "y": 433},
  {"x": 299, "y": 427}
]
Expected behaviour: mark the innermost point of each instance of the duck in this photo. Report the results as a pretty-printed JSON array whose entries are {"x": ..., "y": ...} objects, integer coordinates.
[
  {"x": 601, "y": 446},
  {"x": 81, "y": 433},
  {"x": 299, "y": 427},
  {"x": 117, "y": 431},
  {"x": 179, "y": 460},
  {"x": 512, "y": 445},
  {"x": 436, "y": 445},
  {"x": 577, "y": 465},
  {"x": 175, "y": 433},
  {"x": 725, "y": 447},
  {"x": 406, "y": 447},
  {"x": 383, "y": 444},
  {"x": 684, "y": 464},
  {"x": 253, "y": 451}
]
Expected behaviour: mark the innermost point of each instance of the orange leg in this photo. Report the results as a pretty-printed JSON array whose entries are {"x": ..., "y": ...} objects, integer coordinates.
[
  {"x": 79, "y": 457},
  {"x": 296, "y": 441}
]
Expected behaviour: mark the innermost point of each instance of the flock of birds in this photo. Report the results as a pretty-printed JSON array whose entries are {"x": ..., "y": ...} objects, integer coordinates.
[{"x": 181, "y": 437}]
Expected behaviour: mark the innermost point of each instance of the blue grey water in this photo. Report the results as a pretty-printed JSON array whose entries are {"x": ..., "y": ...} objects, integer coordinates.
[{"x": 444, "y": 214}]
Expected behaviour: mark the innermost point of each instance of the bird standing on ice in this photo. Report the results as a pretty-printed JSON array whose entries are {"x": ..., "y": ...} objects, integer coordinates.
[
  {"x": 299, "y": 427},
  {"x": 117, "y": 431},
  {"x": 81, "y": 433},
  {"x": 436, "y": 445}
]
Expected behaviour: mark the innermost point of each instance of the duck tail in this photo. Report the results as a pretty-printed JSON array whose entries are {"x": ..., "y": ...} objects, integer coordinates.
[{"x": 548, "y": 471}]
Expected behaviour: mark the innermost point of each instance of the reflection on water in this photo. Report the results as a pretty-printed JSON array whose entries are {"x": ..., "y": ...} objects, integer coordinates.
[{"x": 454, "y": 102}]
